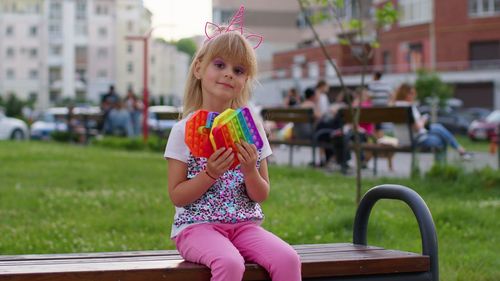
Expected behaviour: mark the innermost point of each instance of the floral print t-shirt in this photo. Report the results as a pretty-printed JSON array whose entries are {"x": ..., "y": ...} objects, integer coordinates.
[{"x": 226, "y": 201}]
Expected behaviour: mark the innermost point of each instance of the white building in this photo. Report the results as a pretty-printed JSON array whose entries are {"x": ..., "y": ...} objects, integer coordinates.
[
  {"x": 23, "y": 48},
  {"x": 56, "y": 49},
  {"x": 168, "y": 72}
]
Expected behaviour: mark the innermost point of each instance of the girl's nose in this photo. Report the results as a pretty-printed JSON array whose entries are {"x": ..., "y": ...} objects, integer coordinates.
[{"x": 228, "y": 74}]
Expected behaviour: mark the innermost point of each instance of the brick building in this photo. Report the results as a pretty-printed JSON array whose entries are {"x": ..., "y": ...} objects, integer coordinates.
[{"x": 457, "y": 38}]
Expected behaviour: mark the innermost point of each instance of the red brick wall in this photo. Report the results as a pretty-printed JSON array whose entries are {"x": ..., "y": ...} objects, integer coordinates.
[{"x": 454, "y": 31}]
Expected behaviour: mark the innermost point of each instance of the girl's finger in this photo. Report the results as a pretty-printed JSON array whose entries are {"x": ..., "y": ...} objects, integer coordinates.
[
  {"x": 223, "y": 157},
  {"x": 241, "y": 158},
  {"x": 217, "y": 153},
  {"x": 242, "y": 150}
]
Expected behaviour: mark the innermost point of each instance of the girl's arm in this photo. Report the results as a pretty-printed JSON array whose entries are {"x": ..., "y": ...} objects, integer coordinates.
[
  {"x": 256, "y": 180},
  {"x": 183, "y": 191}
]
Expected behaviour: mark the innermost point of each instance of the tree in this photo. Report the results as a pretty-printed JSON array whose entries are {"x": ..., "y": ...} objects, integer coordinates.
[
  {"x": 429, "y": 86},
  {"x": 353, "y": 34},
  {"x": 187, "y": 46}
]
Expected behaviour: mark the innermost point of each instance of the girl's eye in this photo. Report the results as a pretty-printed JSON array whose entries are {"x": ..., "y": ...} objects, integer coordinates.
[
  {"x": 219, "y": 64},
  {"x": 239, "y": 70}
]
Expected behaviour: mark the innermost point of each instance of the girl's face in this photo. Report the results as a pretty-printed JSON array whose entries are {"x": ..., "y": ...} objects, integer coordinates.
[{"x": 222, "y": 79}]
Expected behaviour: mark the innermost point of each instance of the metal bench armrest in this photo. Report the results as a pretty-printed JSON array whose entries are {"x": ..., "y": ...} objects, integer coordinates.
[{"x": 419, "y": 208}]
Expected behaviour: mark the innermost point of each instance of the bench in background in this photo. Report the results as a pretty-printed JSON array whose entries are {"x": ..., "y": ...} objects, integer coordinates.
[
  {"x": 296, "y": 116},
  {"x": 340, "y": 261},
  {"x": 395, "y": 115}
]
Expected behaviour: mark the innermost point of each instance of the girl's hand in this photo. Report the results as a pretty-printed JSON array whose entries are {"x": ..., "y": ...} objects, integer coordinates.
[
  {"x": 219, "y": 162},
  {"x": 247, "y": 154}
]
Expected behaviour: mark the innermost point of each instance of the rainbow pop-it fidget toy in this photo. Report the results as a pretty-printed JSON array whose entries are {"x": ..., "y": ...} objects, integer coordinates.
[
  {"x": 234, "y": 126},
  {"x": 197, "y": 135},
  {"x": 209, "y": 131}
]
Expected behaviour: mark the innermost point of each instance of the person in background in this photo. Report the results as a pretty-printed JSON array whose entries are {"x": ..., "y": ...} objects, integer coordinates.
[
  {"x": 429, "y": 136},
  {"x": 108, "y": 102},
  {"x": 119, "y": 122},
  {"x": 292, "y": 99},
  {"x": 380, "y": 91},
  {"x": 134, "y": 106},
  {"x": 323, "y": 101}
]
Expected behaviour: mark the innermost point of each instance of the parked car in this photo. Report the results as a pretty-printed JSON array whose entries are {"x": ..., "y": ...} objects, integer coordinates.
[
  {"x": 12, "y": 128},
  {"x": 54, "y": 119},
  {"x": 154, "y": 117},
  {"x": 484, "y": 129},
  {"x": 456, "y": 121}
]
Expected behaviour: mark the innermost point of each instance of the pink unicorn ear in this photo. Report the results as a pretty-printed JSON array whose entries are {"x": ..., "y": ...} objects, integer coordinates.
[
  {"x": 255, "y": 40},
  {"x": 212, "y": 30},
  {"x": 236, "y": 22}
]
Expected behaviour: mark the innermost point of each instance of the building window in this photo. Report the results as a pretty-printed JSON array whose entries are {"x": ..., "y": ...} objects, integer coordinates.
[
  {"x": 33, "y": 31},
  {"x": 55, "y": 11},
  {"x": 484, "y": 54},
  {"x": 55, "y": 50},
  {"x": 102, "y": 52},
  {"x": 33, "y": 74},
  {"x": 313, "y": 69},
  {"x": 130, "y": 48},
  {"x": 415, "y": 12},
  {"x": 10, "y": 74},
  {"x": 297, "y": 71},
  {"x": 81, "y": 10},
  {"x": 101, "y": 10},
  {"x": 55, "y": 30},
  {"x": 415, "y": 56},
  {"x": 484, "y": 8},
  {"x": 10, "y": 52},
  {"x": 103, "y": 32},
  {"x": 387, "y": 61},
  {"x": 130, "y": 26},
  {"x": 102, "y": 73},
  {"x": 9, "y": 31},
  {"x": 329, "y": 69},
  {"x": 130, "y": 67},
  {"x": 33, "y": 53}
]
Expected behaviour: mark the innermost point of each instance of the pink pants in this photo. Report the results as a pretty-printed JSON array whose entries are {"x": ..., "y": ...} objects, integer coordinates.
[{"x": 225, "y": 248}]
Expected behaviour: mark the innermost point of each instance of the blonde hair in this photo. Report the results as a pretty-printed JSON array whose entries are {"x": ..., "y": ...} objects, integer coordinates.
[{"x": 230, "y": 46}]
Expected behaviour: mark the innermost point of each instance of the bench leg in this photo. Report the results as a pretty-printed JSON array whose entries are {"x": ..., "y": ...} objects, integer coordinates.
[
  {"x": 375, "y": 158},
  {"x": 290, "y": 156}
]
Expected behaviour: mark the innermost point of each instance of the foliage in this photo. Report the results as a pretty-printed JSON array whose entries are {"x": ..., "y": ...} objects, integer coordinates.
[
  {"x": 57, "y": 198},
  {"x": 61, "y": 136},
  {"x": 154, "y": 143},
  {"x": 351, "y": 30},
  {"x": 186, "y": 45},
  {"x": 429, "y": 85}
]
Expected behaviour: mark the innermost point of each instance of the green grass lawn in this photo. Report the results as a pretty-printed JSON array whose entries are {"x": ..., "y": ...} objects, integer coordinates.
[
  {"x": 481, "y": 146},
  {"x": 58, "y": 198}
]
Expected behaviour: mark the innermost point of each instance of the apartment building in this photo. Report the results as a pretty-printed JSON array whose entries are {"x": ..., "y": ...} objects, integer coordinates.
[
  {"x": 23, "y": 49},
  {"x": 169, "y": 70},
  {"x": 51, "y": 50}
]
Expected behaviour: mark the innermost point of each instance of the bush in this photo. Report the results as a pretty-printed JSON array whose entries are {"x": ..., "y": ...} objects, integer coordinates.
[
  {"x": 445, "y": 172},
  {"x": 487, "y": 177},
  {"x": 131, "y": 144},
  {"x": 60, "y": 136}
]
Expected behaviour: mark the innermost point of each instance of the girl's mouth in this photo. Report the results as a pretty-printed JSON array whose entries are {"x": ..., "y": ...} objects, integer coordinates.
[{"x": 225, "y": 85}]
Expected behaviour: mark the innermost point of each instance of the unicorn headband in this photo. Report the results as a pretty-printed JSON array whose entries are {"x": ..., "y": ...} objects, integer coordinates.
[{"x": 236, "y": 24}]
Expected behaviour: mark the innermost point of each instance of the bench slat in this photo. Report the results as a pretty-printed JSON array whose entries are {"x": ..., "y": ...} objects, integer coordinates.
[{"x": 317, "y": 261}]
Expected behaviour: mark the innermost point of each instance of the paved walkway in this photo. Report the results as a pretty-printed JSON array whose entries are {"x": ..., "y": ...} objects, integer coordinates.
[{"x": 401, "y": 161}]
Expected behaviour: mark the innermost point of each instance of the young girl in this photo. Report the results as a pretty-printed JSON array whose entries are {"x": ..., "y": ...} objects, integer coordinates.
[{"x": 218, "y": 216}]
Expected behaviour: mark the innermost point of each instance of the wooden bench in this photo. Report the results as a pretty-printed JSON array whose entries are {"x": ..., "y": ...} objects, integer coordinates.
[
  {"x": 89, "y": 121},
  {"x": 341, "y": 261},
  {"x": 395, "y": 115},
  {"x": 297, "y": 116}
]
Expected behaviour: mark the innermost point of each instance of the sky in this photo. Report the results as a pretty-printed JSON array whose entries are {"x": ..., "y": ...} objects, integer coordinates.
[{"x": 179, "y": 18}]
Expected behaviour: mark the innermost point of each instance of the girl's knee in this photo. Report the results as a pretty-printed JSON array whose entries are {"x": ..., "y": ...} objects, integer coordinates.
[
  {"x": 228, "y": 267},
  {"x": 287, "y": 259}
]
